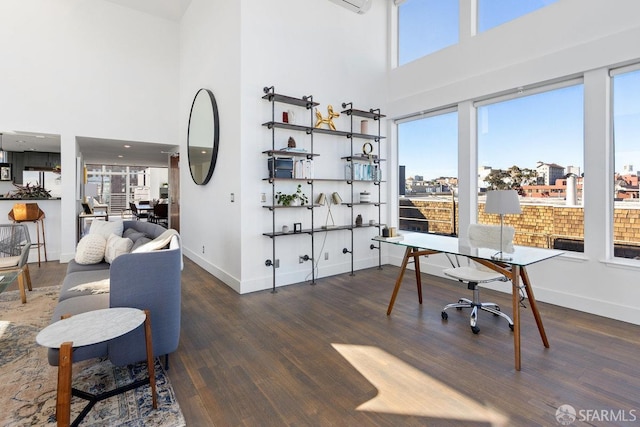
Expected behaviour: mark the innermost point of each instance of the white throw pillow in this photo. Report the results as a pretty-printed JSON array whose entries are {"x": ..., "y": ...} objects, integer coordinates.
[
  {"x": 116, "y": 246},
  {"x": 105, "y": 228},
  {"x": 90, "y": 249}
]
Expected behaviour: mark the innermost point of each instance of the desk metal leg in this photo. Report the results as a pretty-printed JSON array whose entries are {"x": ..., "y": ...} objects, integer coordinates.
[
  {"x": 534, "y": 305},
  {"x": 151, "y": 367},
  {"x": 407, "y": 254},
  {"x": 63, "y": 397},
  {"x": 516, "y": 313}
]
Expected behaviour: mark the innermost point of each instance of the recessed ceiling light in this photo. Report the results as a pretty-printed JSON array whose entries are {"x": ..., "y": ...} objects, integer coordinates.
[
  {"x": 40, "y": 136},
  {"x": 127, "y": 146},
  {"x": 203, "y": 152},
  {"x": 120, "y": 156}
]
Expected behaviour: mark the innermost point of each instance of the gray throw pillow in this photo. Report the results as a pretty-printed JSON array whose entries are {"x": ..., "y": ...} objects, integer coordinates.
[
  {"x": 133, "y": 234},
  {"x": 139, "y": 242}
]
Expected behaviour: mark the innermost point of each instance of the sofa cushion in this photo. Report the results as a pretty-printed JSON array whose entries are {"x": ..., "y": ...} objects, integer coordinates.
[
  {"x": 140, "y": 242},
  {"x": 133, "y": 234},
  {"x": 105, "y": 228},
  {"x": 116, "y": 246},
  {"x": 160, "y": 242},
  {"x": 90, "y": 249},
  {"x": 83, "y": 283},
  {"x": 73, "y": 266}
]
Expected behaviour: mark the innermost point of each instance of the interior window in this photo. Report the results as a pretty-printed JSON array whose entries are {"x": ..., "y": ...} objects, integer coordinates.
[
  {"x": 492, "y": 13},
  {"x": 426, "y": 26},
  {"x": 428, "y": 173},
  {"x": 534, "y": 144},
  {"x": 626, "y": 136}
]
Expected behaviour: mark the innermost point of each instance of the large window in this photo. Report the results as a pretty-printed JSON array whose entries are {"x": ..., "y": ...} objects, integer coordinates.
[
  {"x": 116, "y": 186},
  {"x": 626, "y": 136},
  {"x": 425, "y": 26},
  {"x": 534, "y": 144},
  {"x": 428, "y": 172},
  {"x": 492, "y": 13}
]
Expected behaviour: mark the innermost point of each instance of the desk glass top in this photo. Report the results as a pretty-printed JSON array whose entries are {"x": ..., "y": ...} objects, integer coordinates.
[
  {"x": 91, "y": 327},
  {"x": 522, "y": 255}
]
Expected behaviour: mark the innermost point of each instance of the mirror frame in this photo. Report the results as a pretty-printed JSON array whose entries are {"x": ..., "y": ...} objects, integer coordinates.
[{"x": 216, "y": 135}]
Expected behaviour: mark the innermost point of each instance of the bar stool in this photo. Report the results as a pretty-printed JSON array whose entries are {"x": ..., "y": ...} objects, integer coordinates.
[{"x": 31, "y": 212}]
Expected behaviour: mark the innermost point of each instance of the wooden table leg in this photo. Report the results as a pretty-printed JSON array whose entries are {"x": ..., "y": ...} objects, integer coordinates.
[
  {"x": 416, "y": 263},
  {"x": 407, "y": 255},
  {"x": 516, "y": 313},
  {"x": 63, "y": 398},
  {"x": 151, "y": 367},
  {"x": 534, "y": 305},
  {"x": 23, "y": 293}
]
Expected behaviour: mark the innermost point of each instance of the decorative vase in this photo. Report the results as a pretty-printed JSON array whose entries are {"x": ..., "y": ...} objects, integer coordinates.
[{"x": 359, "y": 220}]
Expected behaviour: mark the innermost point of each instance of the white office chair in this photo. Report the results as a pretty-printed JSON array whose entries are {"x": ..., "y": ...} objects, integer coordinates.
[{"x": 473, "y": 274}]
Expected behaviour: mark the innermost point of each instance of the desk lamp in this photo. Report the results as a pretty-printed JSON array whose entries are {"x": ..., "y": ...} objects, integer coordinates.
[
  {"x": 502, "y": 202},
  {"x": 324, "y": 200}
]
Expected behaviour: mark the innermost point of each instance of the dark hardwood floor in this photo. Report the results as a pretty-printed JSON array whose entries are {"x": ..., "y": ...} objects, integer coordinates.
[{"x": 310, "y": 355}]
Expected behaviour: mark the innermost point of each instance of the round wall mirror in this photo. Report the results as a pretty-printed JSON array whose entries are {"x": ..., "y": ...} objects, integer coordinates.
[{"x": 202, "y": 136}]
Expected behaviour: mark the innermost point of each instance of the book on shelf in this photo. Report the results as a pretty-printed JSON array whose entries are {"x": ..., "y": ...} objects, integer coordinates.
[{"x": 293, "y": 150}]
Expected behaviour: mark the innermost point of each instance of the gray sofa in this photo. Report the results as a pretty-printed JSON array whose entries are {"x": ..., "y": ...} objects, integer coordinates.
[{"x": 145, "y": 280}]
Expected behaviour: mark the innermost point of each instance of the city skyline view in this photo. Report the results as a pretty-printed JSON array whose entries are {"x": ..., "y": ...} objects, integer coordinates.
[{"x": 546, "y": 127}]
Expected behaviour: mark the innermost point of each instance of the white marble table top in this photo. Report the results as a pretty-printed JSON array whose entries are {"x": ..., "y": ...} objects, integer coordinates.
[{"x": 91, "y": 327}]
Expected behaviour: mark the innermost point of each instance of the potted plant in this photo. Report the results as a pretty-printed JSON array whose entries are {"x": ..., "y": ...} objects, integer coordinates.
[
  {"x": 29, "y": 192},
  {"x": 296, "y": 199}
]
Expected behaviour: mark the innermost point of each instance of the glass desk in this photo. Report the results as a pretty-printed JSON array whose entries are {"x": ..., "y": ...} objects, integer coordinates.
[{"x": 419, "y": 244}]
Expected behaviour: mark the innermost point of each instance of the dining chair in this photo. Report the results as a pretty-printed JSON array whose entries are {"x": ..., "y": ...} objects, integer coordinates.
[
  {"x": 136, "y": 213},
  {"x": 474, "y": 274}
]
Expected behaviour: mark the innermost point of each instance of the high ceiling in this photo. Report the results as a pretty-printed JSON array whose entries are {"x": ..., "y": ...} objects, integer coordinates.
[{"x": 107, "y": 151}]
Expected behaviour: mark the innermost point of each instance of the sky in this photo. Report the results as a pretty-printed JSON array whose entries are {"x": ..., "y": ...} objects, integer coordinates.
[{"x": 545, "y": 127}]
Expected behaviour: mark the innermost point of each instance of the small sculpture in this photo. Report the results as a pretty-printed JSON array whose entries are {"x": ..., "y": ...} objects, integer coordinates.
[
  {"x": 291, "y": 143},
  {"x": 329, "y": 120}
]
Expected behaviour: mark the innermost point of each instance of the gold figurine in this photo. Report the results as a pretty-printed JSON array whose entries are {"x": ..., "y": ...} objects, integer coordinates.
[{"x": 329, "y": 120}]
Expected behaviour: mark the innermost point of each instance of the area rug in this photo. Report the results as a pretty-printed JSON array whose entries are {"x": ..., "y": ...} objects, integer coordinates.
[{"x": 28, "y": 382}]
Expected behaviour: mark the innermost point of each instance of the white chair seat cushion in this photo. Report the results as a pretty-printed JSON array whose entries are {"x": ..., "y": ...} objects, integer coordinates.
[
  {"x": 9, "y": 261},
  {"x": 471, "y": 274}
]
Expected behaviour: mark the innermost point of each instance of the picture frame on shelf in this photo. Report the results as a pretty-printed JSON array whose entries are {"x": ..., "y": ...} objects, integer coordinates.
[{"x": 5, "y": 171}]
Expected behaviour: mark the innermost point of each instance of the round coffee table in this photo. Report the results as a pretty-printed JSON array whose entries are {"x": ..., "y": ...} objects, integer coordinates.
[{"x": 88, "y": 328}]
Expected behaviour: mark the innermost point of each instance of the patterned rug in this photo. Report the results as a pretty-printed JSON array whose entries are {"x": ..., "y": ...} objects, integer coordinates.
[{"x": 28, "y": 383}]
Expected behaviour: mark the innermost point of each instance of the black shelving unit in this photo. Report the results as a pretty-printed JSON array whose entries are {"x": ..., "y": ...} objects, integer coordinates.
[{"x": 308, "y": 103}]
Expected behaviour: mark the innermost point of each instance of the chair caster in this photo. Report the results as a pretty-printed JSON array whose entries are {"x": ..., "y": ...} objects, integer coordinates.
[
  {"x": 444, "y": 315},
  {"x": 511, "y": 327},
  {"x": 475, "y": 330},
  {"x": 497, "y": 309}
]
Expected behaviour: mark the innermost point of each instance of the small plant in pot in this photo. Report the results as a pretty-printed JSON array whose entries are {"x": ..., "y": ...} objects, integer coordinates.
[{"x": 296, "y": 199}]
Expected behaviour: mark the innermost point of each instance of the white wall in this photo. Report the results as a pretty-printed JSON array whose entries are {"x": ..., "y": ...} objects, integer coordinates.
[
  {"x": 210, "y": 58},
  {"x": 566, "y": 39},
  {"x": 89, "y": 68},
  {"x": 302, "y": 47}
]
